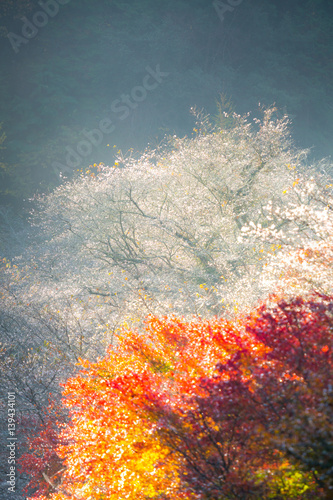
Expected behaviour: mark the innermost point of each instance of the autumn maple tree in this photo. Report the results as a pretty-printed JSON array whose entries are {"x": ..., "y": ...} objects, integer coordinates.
[
  {"x": 297, "y": 386},
  {"x": 206, "y": 409}
]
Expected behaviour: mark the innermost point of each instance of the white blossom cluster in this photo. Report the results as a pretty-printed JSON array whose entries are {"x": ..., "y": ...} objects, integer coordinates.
[
  {"x": 304, "y": 263},
  {"x": 166, "y": 227}
]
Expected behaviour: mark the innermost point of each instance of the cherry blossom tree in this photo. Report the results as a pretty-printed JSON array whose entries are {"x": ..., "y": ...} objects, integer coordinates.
[{"x": 163, "y": 232}]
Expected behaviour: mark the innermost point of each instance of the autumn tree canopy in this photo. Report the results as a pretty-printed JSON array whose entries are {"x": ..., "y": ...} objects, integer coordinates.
[{"x": 206, "y": 409}]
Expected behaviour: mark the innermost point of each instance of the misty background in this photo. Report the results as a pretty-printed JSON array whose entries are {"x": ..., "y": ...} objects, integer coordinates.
[{"x": 65, "y": 66}]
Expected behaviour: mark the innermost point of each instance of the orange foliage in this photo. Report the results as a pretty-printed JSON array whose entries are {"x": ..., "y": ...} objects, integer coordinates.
[{"x": 206, "y": 409}]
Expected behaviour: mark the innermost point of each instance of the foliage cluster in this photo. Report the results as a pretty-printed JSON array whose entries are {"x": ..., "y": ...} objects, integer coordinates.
[{"x": 206, "y": 409}]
